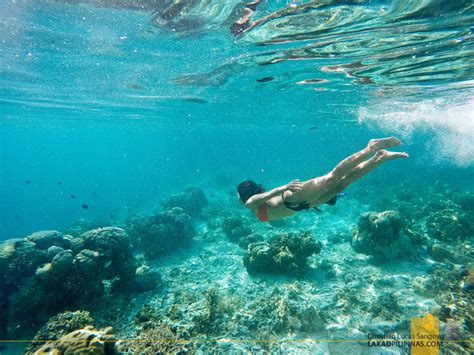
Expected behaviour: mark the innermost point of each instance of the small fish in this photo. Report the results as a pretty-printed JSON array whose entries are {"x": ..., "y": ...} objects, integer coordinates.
[
  {"x": 315, "y": 127},
  {"x": 72, "y": 212},
  {"x": 107, "y": 263},
  {"x": 311, "y": 81},
  {"x": 135, "y": 86},
  {"x": 196, "y": 100},
  {"x": 72, "y": 196},
  {"x": 84, "y": 206},
  {"x": 265, "y": 79},
  {"x": 60, "y": 183},
  {"x": 28, "y": 182}
]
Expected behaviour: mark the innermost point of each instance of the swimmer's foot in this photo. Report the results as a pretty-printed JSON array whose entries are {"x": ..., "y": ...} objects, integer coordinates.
[
  {"x": 382, "y": 143},
  {"x": 386, "y": 155}
]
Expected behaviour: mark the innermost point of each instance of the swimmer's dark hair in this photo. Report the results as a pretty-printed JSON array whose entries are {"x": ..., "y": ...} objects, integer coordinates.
[{"x": 248, "y": 188}]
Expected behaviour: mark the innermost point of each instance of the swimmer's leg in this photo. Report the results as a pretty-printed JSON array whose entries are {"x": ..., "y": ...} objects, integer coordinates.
[
  {"x": 324, "y": 187},
  {"x": 374, "y": 145},
  {"x": 367, "y": 166}
]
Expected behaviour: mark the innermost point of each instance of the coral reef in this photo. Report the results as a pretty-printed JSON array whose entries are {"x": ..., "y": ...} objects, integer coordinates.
[
  {"x": 279, "y": 314},
  {"x": 58, "y": 326},
  {"x": 211, "y": 318},
  {"x": 245, "y": 241},
  {"x": 381, "y": 236},
  {"x": 286, "y": 253},
  {"x": 48, "y": 272},
  {"x": 115, "y": 259},
  {"x": 386, "y": 307},
  {"x": 153, "y": 336},
  {"x": 19, "y": 258},
  {"x": 234, "y": 228},
  {"x": 146, "y": 279},
  {"x": 207, "y": 313},
  {"x": 443, "y": 253},
  {"x": 192, "y": 201},
  {"x": 209, "y": 297},
  {"x": 82, "y": 341},
  {"x": 436, "y": 214},
  {"x": 82, "y": 225},
  {"x": 451, "y": 287},
  {"x": 161, "y": 233},
  {"x": 449, "y": 225},
  {"x": 465, "y": 201}
]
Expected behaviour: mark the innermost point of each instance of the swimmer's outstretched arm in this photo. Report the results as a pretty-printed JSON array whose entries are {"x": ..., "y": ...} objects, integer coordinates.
[{"x": 256, "y": 200}]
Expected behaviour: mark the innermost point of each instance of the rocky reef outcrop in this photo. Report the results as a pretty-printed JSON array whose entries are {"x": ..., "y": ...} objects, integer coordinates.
[
  {"x": 380, "y": 235},
  {"x": 234, "y": 228},
  {"x": 451, "y": 288},
  {"x": 82, "y": 341},
  {"x": 152, "y": 336},
  {"x": 285, "y": 253},
  {"x": 161, "y": 233},
  {"x": 449, "y": 225},
  {"x": 58, "y": 326},
  {"x": 192, "y": 201},
  {"x": 278, "y": 314},
  {"x": 47, "y": 272}
]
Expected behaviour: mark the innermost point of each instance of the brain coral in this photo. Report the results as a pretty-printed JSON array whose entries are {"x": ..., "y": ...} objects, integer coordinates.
[
  {"x": 286, "y": 253},
  {"x": 82, "y": 341},
  {"x": 381, "y": 235}
]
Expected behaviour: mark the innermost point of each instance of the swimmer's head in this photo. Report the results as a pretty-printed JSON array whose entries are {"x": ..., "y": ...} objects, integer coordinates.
[{"x": 248, "y": 188}]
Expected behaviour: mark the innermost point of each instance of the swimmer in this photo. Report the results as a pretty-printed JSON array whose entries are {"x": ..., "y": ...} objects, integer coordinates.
[{"x": 287, "y": 200}]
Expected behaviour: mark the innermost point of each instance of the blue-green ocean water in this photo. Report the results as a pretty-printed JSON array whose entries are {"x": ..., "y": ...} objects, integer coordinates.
[
  {"x": 105, "y": 103},
  {"x": 109, "y": 107}
]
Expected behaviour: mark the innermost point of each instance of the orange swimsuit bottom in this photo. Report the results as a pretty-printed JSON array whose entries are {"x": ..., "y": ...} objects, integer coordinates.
[{"x": 262, "y": 213}]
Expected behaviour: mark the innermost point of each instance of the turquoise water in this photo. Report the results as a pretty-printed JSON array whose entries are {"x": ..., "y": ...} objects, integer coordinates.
[{"x": 110, "y": 108}]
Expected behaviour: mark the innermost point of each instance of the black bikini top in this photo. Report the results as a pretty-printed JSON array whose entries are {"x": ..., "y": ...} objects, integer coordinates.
[
  {"x": 295, "y": 207},
  {"x": 305, "y": 205}
]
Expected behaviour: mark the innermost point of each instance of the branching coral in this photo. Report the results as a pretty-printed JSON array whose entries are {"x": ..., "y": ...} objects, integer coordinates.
[
  {"x": 207, "y": 322},
  {"x": 153, "y": 336},
  {"x": 277, "y": 314}
]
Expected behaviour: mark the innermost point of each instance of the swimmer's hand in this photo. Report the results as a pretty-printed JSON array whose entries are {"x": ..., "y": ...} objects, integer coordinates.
[{"x": 294, "y": 186}]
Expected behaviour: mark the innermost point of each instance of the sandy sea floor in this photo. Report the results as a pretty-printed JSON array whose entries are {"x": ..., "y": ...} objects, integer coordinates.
[{"x": 209, "y": 301}]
